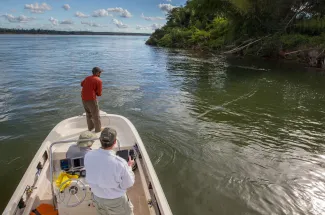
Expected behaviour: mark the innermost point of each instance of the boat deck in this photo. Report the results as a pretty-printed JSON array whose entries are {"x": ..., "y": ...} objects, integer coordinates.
[
  {"x": 140, "y": 194},
  {"x": 137, "y": 196},
  {"x": 136, "y": 193}
]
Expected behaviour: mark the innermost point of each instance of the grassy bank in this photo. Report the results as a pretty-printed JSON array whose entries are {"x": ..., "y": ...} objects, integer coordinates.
[{"x": 280, "y": 28}]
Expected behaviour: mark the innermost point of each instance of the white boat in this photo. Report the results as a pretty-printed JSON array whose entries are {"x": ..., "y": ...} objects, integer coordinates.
[{"x": 38, "y": 183}]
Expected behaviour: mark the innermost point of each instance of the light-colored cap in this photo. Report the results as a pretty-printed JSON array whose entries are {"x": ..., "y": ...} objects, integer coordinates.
[{"x": 86, "y": 135}]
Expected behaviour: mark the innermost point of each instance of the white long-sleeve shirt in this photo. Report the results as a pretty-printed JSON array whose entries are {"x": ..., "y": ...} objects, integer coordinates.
[{"x": 108, "y": 175}]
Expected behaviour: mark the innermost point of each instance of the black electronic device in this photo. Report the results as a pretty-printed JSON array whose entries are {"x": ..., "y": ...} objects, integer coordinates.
[
  {"x": 72, "y": 164},
  {"x": 123, "y": 154},
  {"x": 83, "y": 173},
  {"x": 65, "y": 164},
  {"x": 132, "y": 154},
  {"x": 77, "y": 162}
]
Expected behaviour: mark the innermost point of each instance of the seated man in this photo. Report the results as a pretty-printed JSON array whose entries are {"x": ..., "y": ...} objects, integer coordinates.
[
  {"x": 109, "y": 176},
  {"x": 81, "y": 148}
]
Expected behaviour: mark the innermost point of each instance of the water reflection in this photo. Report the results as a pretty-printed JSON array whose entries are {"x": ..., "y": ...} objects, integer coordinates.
[
  {"x": 258, "y": 132},
  {"x": 226, "y": 136}
]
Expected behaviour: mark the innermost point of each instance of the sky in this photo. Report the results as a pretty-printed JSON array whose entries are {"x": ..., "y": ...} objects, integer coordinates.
[{"x": 140, "y": 16}]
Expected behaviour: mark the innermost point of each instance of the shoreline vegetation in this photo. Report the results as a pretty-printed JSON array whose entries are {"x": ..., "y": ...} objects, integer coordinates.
[
  {"x": 54, "y": 32},
  {"x": 286, "y": 29}
]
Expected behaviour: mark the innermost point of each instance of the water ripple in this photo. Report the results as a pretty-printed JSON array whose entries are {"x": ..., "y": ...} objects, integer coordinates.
[{"x": 226, "y": 136}]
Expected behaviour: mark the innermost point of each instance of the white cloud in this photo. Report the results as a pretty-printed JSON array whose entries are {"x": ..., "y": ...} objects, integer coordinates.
[
  {"x": 148, "y": 18},
  {"x": 66, "y": 22},
  {"x": 54, "y": 21},
  {"x": 66, "y": 7},
  {"x": 38, "y": 8},
  {"x": 166, "y": 7},
  {"x": 123, "y": 12},
  {"x": 169, "y": 0},
  {"x": 151, "y": 27},
  {"x": 117, "y": 9},
  {"x": 140, "y": 27},
  {"x": 100, "y": 13},
  {"x": 126, "y": 14},
  {"x": 81, "y": 15},
  {"x": 119, "y": 24},
  {"x": 91, "y": 24},
  {"x": 20, "y": 18},
  {"x": 156, "y": 26}
]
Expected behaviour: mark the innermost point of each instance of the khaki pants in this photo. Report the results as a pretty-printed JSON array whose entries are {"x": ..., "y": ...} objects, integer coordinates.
[
  {"x": 119, "y": 206},
  {"x": 92, "y": 114}
]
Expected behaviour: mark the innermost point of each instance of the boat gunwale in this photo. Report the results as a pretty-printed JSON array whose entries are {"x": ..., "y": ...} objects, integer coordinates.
[{"x": 31, "y": 170}]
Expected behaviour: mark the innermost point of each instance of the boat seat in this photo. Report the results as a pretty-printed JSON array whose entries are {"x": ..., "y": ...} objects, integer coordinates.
[{"x": 60, "y": 152}]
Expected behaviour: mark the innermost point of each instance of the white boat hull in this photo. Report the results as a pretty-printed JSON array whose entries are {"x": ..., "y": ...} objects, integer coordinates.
[{"x": 147, "y": 185}]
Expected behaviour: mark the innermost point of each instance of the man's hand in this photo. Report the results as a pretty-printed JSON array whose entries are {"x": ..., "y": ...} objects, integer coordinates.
[{"x": 131, "y": 162}]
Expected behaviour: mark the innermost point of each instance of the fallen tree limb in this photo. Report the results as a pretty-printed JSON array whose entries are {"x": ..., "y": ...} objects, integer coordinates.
[
  {"x": 247, "y": 41},
  {"x": 236, "y": 47},
  {"x": 294, "y": 52},
  {"x": 299, "y": 11},
  {"x": 241, "y": 47},
  {"x": 321, "y": 53}
]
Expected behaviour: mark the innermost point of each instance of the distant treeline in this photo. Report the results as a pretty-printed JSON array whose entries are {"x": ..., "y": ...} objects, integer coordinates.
[{"x": 53, "y": 32}]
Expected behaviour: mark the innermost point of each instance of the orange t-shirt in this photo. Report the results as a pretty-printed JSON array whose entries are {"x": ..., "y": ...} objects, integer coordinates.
[{"x": 91, "y": 87}]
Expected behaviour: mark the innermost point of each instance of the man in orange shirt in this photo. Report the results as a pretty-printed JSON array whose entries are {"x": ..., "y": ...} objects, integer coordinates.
[{"x": 92, "y": 87}]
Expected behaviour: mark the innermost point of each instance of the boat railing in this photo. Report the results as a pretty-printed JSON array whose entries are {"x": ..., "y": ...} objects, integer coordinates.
[{"x": 51, "y": 162}]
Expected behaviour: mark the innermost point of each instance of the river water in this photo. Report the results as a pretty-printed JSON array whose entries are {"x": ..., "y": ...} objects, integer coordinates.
[{"x": 226, "y": 136}]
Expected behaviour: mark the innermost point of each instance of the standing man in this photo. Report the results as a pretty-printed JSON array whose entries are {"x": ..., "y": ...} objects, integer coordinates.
[
  {"x": 92, "y": 87},
  {"x": 109, "y": 176}
]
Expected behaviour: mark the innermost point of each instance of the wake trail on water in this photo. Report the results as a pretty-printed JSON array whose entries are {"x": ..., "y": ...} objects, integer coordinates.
[{"x": 221, "y": 107}]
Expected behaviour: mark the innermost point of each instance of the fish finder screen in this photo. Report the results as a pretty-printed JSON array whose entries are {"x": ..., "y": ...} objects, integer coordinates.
[
  {"x": 79, "y": 162},
  {"x": 65, "y": 164}
]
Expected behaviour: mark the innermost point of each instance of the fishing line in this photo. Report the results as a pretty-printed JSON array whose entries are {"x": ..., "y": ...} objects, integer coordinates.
[{"x": 246, "y": 96}]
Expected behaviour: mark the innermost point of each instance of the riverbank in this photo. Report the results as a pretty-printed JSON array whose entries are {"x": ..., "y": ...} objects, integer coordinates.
[
  {"x": 270, "y": 29},
  {"x": 294, "y": 47},
  {"x": 54, "y": 32}
]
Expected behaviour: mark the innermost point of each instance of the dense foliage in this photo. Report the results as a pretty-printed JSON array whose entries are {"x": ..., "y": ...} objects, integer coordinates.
[{"x": 225, "y": 24}]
